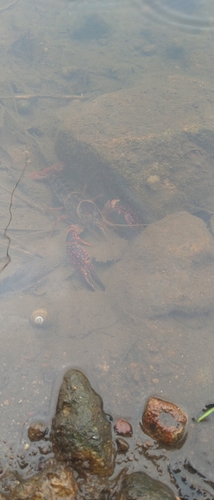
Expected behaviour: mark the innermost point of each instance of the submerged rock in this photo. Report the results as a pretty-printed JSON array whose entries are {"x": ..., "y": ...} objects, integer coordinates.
[
  {"x": 81, "y": 432},
  {"x": 158, "y": 162},
  {"x": 140, "y": 485},
  {"x": 86, "y": 162},
  {"x": 167, "y": 269}
]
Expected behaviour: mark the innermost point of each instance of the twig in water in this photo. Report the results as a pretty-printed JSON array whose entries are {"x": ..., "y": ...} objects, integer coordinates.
[
  {"x": 25, "y": 199},
  {"x": 7, "y": 258}
]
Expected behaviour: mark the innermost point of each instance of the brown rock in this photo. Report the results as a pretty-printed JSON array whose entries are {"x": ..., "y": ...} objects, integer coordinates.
[
  {"x": 37, "y": 431},
  {"x": 122, "y": 445},
  {"x": 112, "y": 127},
  {"x": 164, "y": 421},
  {"x": 55, "y": 482},
  {"x": 169, "y": 268}
]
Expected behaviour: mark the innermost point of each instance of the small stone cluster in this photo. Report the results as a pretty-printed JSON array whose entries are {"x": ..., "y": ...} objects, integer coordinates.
[{"x": 85, "y": 450}]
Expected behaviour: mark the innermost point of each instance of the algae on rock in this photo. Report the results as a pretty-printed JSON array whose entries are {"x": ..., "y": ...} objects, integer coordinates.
[{"x": 81, "y": 431}]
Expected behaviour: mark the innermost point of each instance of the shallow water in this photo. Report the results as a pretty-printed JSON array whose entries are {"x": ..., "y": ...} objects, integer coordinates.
[{"x": 51, "y": 50}]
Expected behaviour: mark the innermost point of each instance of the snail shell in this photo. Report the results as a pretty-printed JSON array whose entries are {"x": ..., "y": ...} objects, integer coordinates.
[{"x": 40, "y": 318}]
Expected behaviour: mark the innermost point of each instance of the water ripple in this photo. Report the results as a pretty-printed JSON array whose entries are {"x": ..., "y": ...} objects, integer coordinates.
[{"x": 194, "y": 14}]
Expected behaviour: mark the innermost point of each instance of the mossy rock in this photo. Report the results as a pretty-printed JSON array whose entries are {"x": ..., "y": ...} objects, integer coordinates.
[
  {"x": 81, "y": 431},
  {"x": 140, "y": 486}
]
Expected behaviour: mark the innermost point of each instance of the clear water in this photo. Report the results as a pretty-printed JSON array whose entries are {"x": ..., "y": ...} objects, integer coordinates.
[{"x": 107, "y": 55}]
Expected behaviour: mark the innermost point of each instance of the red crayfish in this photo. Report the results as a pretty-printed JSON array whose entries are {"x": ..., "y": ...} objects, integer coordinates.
[
  {"x": 80, "y": 259},
  {"x": 81, "y": 210}
]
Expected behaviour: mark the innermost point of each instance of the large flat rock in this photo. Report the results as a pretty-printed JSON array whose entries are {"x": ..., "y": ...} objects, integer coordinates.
[{"x": 119, "y": 141}]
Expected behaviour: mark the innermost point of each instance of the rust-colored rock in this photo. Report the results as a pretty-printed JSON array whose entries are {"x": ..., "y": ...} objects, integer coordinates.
[{"x": 164, "y": 421}]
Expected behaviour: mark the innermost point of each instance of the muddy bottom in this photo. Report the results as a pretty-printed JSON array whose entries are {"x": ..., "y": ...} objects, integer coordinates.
[{"x": 147, "y": 113}]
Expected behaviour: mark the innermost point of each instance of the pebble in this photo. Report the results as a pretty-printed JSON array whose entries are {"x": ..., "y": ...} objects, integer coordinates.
[
  {"x": 122, "y": 445},
  {"x": 123, "y": 428},
  {"x": 37, "y": 431}
]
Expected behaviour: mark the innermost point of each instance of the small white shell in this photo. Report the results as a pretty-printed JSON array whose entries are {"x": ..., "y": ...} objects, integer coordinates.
[{"x": 40, "y": 318}]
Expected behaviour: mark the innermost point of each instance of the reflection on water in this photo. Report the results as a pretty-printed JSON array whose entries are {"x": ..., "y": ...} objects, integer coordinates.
[
  {"x": 190, "y": 15},
  {"x": 112, "y": 93}
]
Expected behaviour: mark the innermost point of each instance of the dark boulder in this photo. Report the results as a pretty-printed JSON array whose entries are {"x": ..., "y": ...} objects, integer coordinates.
[
  {"x": 81, "y": 431},
  {"x": 139, "y": 485}
]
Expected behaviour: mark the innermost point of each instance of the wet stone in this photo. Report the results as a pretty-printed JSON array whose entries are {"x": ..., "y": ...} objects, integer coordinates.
[
  {"x": 9, "y": 482},
  {"x": 168, "y": 269},
  {"x": 164, "y": 421},
  {"x": 37, "y": 431},
  {"x": 123, "y": 428},
  {"x": 122, "y": 445},
  {"x": 56, "y": 481},
  {"x": 81, "y": 431},
  {"x": 140, "y": 485}
]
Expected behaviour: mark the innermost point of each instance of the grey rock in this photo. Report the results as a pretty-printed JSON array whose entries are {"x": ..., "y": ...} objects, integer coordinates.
[{"x": 139, "y": 485}]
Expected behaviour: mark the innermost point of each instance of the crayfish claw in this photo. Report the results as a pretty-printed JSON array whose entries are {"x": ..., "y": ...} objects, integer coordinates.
[
  {"x": 83, "y": 274},
  {"x": 96, "y": 278}
]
